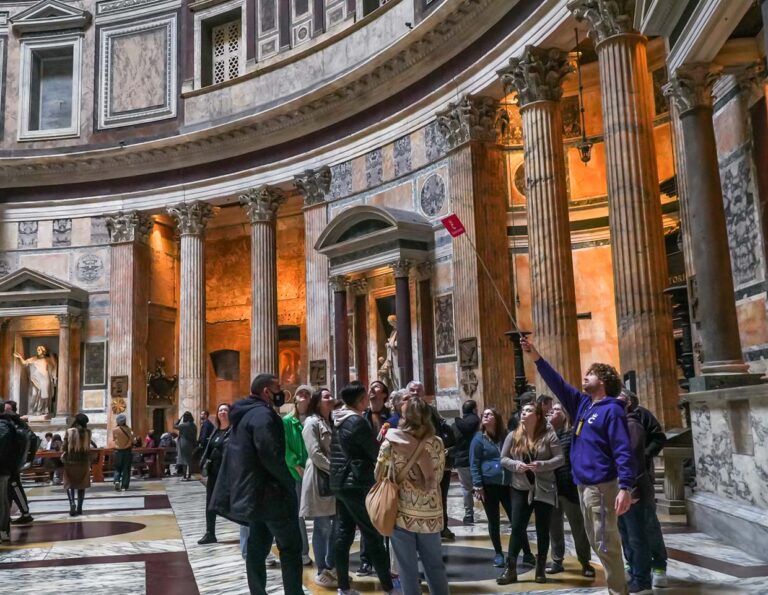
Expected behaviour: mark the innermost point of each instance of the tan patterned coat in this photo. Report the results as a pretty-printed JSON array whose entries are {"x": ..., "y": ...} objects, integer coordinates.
[{"x": 420, "y": 507}]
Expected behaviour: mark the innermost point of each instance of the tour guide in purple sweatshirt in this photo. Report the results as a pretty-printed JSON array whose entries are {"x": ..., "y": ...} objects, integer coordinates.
[{"x": 601, "y": 457}]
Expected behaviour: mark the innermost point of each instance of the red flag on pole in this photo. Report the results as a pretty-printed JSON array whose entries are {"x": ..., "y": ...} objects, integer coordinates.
[{"x": 454, "y": 225}]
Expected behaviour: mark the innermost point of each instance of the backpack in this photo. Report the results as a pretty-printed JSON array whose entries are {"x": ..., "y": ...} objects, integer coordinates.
[
  {"x": 381, "y": 501},
  {"x": 14, "y": 446}
]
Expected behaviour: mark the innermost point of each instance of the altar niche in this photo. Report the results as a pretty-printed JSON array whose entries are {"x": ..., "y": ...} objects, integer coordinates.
[{"x": 38, "y": 382}]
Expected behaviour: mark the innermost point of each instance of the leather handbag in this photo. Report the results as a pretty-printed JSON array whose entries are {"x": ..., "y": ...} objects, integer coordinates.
[
  {"x": 323, "y": 483},
  {"x": 381, "y": 501}
]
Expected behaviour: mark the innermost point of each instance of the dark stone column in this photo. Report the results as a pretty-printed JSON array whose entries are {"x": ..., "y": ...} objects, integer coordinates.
[
  {"x": 340, "y": 332},
  {"x": 691, "y": 89},
  {"x": 403, "y": 313}
]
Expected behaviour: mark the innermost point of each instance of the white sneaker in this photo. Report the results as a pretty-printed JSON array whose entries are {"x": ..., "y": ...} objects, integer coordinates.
[
  {"x": 271, "y": 560},
  {"x": 659, "y": 577},
  {"x": 306, "y": 560},
  {"x": 324, "y": 579}
]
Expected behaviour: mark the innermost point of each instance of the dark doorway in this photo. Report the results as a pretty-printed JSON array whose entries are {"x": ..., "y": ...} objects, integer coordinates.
[{"x": 158, "y": 422}]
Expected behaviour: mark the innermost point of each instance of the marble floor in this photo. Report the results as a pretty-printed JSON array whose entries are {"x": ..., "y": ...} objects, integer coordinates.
[{"x": 145, "y": 541}]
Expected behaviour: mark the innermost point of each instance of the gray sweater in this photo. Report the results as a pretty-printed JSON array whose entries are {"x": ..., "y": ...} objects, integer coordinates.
[{"x": 549, "y": 455}]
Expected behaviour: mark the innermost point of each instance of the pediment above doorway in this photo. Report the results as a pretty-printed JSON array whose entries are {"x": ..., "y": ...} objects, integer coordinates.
[
  {"x": 27, "y": 293},
  {"x": 50, "y": 15},
  {"x": 365, "y": 237}
]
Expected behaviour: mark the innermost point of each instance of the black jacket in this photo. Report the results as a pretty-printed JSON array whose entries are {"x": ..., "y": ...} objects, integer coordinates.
[
  {"x": 353, "y": 452},
  {"x": 655, "y": 438},
  {"x": 17, "y": 442},
  {"x": 643, "y": 490},
  {"x": 254, "y": 483},
  {"x": 464, "y": 429},
  {"x": 563, "y": 476}
]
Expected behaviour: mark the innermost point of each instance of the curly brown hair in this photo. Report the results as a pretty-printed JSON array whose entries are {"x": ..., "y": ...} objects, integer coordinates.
[{"x": 608, "y": 376}]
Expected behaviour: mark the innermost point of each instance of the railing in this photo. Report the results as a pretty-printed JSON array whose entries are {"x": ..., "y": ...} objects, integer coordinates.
[{"x": 105, "y": 456}]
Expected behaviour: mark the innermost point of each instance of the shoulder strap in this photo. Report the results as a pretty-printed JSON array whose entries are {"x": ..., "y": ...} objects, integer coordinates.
[{"x": 414, "y": 457}]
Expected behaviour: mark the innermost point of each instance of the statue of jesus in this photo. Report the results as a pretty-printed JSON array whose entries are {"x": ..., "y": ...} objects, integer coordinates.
[
  {"x": 389, "y": 372},
  {"x": 42, "y": 380}
]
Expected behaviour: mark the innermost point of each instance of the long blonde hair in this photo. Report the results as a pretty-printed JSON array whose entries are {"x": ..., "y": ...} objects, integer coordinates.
[
  {"x": 418, "y": 419},
  {"x": 521, "y": 444}
]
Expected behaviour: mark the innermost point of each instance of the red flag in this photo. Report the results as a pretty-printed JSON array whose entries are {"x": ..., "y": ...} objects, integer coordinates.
[{"x": 454, "y": 225}]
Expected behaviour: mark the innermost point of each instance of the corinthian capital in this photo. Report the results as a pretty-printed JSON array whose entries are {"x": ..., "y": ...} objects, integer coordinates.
[
  {"x": 261, "y": 204},
  {"x": 131, "y": 226},
  {"x": 401, "y": 267},
  {"x": 314, "y": 184},
  {"x": 338, "y": 283},
  {"x": 192, "y": 217},
  {"x": 605, "y": 18},
  {"x": 471, "y": 119},
  {"x": 691, "y": 87},
  {"x": 537, "y": 75}
]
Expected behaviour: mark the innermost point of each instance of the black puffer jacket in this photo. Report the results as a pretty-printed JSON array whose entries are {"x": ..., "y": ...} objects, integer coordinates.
[
  {"x": 353, "y": 452},
  {"x": 464, "y": 429},
  {"x": 254, "y": 483},
  {"x": 563, "y": 476}
]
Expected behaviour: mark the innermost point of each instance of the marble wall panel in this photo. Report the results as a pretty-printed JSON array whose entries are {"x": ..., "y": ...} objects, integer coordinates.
[
  {"x": 753, "y": 323},
  {"x": 9, "y": 236},
  {"x": 446, "y": 376},
  {"x": 434, "y": 143},
  {"x": 445, "y": 336},
  {"x": 418, "y": 148},
  {"x": 402, "y": 156},
  {"x": 374, "y": 168},
  {"x": 9, "y": 262},
  {"x": 53, "y": 264},
  {"x": 587, "y": 181},
  {"x": 398, "y": 197},
  {"x": 388, "y": 162},
  {"x": 719, "y": 468},
  {"x": 99, "y": 232},
  {"x": 665, "y": 160},
  {"x": 62, "y": 232},
  {"x": 358, "y": 174},
  {"x": 291, "y": 285},
  {"x": 44, "y": 235},
  {"x": 27, "y": 234},
  {"x": 341, "y": 180},
  {"x": 228, "y": 279},
  {"x": 96, "y": 327},
  {"x": 81, "y": 231}
]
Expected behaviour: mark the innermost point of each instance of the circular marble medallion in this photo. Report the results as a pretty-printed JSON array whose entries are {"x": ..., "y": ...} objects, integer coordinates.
[{"x": 433, "y": 195}]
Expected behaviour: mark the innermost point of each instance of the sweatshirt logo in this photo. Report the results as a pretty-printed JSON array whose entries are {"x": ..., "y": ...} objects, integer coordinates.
[{"x": 592, "y": 418}]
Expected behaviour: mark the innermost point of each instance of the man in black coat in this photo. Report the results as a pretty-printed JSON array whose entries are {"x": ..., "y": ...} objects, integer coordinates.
[
  {"x": 255, "y": 488},
  {"x": 464, "y": 429},
  {"x": 353, "y": 461}
]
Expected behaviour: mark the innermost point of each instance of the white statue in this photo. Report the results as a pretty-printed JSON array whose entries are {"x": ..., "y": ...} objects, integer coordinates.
[
  {"x": 42, "y": 380},
  {"x": 389, "y": 372}
]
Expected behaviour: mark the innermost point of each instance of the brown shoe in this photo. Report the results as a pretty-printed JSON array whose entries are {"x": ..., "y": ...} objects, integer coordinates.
[{"x": 510, "y": 574}]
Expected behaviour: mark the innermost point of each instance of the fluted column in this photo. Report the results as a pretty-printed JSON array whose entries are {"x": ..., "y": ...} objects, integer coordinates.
[
  {"x": 476, "y": 169},
  {"x": 339, "y": 284},
  {"x": 691, "y": 89},
  {"x": 401, "y": 269},
  {"x": 261, "y": 205},
  {"x": 62, "y": 386},
  {"x": 643, "y": 313},
  {"x": 537, "y": 78},
  {"x": 129, "y": 315},
  {"x": 314, "y": 186},
  {"x": 191, "y": 219}
]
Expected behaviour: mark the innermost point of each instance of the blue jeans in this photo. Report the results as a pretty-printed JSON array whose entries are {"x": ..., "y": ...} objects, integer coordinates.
[
  {"x": 637, "y": 548},
  {"x": 655, "y": 539},
  {"x": 411, "y": 547},
  {"x": 324, "y": 542}
]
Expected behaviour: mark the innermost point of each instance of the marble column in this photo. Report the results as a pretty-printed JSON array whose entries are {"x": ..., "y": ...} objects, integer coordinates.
[
  {"x": 191, "y": 220},
  {"x": 314, "y": 186},
  {"x": 537, "y": 78},
  {"x": 401, "y": 269},
  {"x": 5, "y": 388},
  {"x": 261, "y": 205},
  {"x": 129, "y": 316},
  {"x": 691, "y": 89},
  {"x": 75, "y": 355},
  {"x": 340, "y": 332},
  {"x": 643, "y": 312},
  {"x": 477, "y": 178},
  {"x": 62, "y": 385}
]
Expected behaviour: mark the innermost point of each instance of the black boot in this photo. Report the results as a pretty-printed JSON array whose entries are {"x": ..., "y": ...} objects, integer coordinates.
[
  {"x": 80, "y": 498},
  {"x": 541, "y": 563},
  {"x": 72, "y": 507},
  {"x": 510, "y": 573}
]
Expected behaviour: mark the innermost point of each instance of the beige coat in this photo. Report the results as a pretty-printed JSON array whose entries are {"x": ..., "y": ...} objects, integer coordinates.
[
  {"x": 420, "y": 506},
  {"x": 549, "y": 454},
  {"x": 317, "y": 439}
]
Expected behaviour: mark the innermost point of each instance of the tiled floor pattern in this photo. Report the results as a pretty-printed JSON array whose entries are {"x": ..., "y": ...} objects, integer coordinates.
[{"x": 145, "y": 541}]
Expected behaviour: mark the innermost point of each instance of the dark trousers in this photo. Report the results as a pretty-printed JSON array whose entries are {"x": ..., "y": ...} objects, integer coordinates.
[
  {"x": 521, "y": 514},
  {"x": 572, "y": 510},
  {"x": 122, "y": 462},
  {"x": 496, "y": 495},
  {"x": 286, "y": 533},
  {"x": 655, "y": 539},
  {"x": 445, "y": 483},
  {"x": 210, "y": 516},
  {"x": 634, "y": 537},
  {"x": 18, "y": 495},
  {"x": 351, "y": 513}
]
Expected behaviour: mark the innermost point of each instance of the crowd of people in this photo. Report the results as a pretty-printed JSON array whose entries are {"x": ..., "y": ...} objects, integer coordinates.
[{"x": 381, "y": 463}]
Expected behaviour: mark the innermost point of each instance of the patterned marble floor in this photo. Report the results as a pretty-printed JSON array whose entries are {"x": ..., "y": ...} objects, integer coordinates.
[{"x": 145, "y": 541}]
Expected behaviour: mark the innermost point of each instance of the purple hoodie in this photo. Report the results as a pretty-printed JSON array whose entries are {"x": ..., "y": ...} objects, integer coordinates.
[{"x": 602, "y": 451}]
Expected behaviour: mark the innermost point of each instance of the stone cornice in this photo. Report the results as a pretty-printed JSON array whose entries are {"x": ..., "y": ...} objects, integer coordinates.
[
  {"x": 192, "y": 217},
  {"x": 261, "y": 204},
  {"x": 537, "y": 75},
  {"x": 451, "y": 20},
  {"x": 605, "y": 18},
  {"x": 690, "y": 87}
]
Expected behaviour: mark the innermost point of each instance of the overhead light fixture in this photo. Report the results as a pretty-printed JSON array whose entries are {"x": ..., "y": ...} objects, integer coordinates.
[{"x": 584, "y": 146}]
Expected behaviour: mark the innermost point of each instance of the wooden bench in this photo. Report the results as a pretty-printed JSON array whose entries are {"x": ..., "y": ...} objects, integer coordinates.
[{"x": 103, "y": 461}]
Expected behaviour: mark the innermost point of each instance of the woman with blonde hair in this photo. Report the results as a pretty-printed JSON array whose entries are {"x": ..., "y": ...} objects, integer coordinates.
[
  {"x": 532, "y": 453},
  {"x": 76, "y": 456},
  {"x": 419, "y": 510}
]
